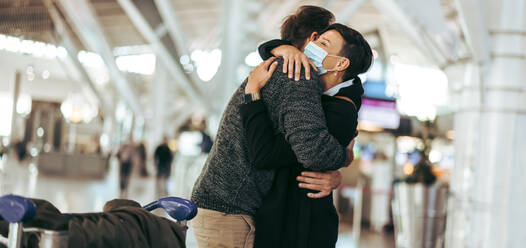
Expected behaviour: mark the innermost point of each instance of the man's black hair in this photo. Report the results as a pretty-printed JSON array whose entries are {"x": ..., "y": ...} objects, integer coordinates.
[
  {"x": 308, "y": 19},
  {"x": 356, "y": 49}
]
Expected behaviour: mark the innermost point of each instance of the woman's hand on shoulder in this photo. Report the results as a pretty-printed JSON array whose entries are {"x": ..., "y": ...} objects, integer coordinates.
[
  {"x": 258, "y": 78},
  {"x": 293, "y": 60}
]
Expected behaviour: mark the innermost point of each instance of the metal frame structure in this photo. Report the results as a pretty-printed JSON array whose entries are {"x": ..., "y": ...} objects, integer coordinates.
[
  {"x": 347, "y": 13},
  {"x": 194, "y": 94},
  {"x": 65, "y": 35},
  {"x": 171, "y": 22},
  {"x": 89, "y": 30}
]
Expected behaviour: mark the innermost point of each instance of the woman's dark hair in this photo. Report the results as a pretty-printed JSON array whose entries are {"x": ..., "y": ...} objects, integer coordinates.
[
  {"x": 308, "y": 19},
  {"x": 356, "y": 49}
]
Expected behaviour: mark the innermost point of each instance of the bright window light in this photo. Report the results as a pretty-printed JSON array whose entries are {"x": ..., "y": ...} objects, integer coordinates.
[
  {"x": 421, "y": 90},
  {"x": 189, "y": 143},
  {"x": 140, "y": 63},
  {"x": 50, "y": 51},
  {"x": 61, "y": 53},
  {"x": 3, "y": 41},
  {"x": 90, "y": 59},
  {"x": 76, "y": 109},
  {"x": 27, "y": 47},
  {"x": 207, "y": 63},
  {"x": 23, "y": 105},
  {"x": 12, "y": 44},
  {"x": 33, "y": 48},
  {"x": 6, "y": 109},
  {"x": 132, "y": 50},
  {"x": 253, "y": 59}
]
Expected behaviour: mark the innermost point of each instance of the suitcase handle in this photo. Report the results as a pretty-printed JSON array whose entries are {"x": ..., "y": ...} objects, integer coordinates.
[
  {"x": 14, "y": 208},
  {"x": 178, "y": 208}
]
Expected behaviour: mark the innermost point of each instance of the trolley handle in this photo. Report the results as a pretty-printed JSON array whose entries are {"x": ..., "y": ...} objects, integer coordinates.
[
  {"x": 178, "y": 208},
  {"x": 14, "y": 208}
]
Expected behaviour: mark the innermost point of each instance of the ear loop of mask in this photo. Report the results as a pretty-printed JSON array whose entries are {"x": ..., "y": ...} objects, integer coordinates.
[{"x": 336, "y": 56}]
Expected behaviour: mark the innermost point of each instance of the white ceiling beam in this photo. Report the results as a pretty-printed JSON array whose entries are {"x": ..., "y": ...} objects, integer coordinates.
[
  {"x": 430, "y": 16},
  {"x": 66, "y": 41},
  {"x": 345, "y": 15},
  {"x": 392, "y": 11},
  {"x": 89, "y": 30},
  {"x": 167, "y": 11},
  {"x": 475, "y": 28},
  {"x": 171, "y": 21},
  {"x": 163, "y": 54}
]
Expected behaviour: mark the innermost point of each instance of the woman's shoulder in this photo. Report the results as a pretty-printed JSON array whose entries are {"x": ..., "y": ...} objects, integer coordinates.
[{"x": 339, "y": 104}]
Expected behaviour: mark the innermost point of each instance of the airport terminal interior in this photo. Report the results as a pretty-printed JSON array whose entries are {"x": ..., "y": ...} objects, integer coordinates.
[{"x": 95, "y": 93}]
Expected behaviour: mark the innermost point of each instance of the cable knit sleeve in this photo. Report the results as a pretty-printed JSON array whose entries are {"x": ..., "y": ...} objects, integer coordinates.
[{"x": 302, "y": 121}]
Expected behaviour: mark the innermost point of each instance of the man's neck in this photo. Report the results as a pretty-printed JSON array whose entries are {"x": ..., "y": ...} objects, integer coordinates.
[{"x": 329, "y": 81}]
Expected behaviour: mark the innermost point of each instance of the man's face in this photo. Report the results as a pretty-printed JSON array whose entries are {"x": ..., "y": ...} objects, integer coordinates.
[{"x": 332, "y": 42}]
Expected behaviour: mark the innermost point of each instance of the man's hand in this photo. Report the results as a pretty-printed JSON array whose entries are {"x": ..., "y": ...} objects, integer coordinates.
[
  {"x": 324, "y": 182},
  {"x": 350, "y": 153},
  {"x": 293, "y": 57},
  {"x": 259, "y": 77}
]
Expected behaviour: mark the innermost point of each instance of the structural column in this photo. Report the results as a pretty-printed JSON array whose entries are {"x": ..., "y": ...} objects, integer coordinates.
[
  {"x": 231, "y": 46},
  {"x": 488, "y": 183},
  {"x": 16, "y": 94},
  {"x": 156, "y": 128},
  {"x": 464, "y": 84}
]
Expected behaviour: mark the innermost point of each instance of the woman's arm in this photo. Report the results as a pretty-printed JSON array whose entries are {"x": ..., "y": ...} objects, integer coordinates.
[
  {"x": 265, "y": 49},
  {"x": 293, "y": 58},
  {"x": 267, "y": 150}
]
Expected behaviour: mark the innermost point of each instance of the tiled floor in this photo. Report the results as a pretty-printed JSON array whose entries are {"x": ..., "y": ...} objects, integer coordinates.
[{"x": 88, "y": 195}]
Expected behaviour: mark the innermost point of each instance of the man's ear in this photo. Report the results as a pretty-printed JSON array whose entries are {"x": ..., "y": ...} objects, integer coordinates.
[
  {"x": 314, "y": 36},
  {"x": 343, "y": 64}
]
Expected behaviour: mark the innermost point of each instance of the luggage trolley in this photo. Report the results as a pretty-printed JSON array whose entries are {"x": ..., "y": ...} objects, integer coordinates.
[{"x": 16, "y": 209}]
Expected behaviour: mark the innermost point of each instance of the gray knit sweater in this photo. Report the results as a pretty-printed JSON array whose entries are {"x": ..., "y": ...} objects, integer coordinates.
[{"x": 228, "y": 183}]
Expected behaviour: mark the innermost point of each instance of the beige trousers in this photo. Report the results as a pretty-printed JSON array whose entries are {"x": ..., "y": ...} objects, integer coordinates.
[{"x": 216, "y": 229}]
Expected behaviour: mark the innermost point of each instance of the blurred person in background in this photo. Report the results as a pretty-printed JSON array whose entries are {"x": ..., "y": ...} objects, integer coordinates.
[
  {"x": 3, "y": 150},
  {"x": 288, "y": 217},
  {"x": 423, "y": 171},
  {"x": 206, "y": 143},
  {"x": 141, "y": 159},
  {"x": 163, "y": 160},
  {"x": 230, "y": 190},
  {"x": 21, "y": 150},
  {"x": 125, "y": 156}
]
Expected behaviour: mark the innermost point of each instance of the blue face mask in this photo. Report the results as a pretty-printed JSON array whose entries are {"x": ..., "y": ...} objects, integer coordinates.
[{"x": 316, "y": 54}]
